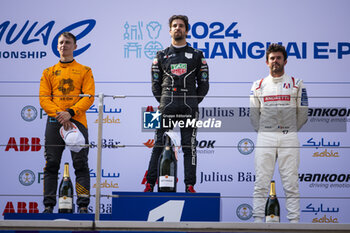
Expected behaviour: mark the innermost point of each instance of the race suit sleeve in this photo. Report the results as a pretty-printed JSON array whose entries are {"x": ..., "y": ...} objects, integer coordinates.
[
  {"x": 45, "y": 92},
  {"x": 254, "y": 107},
  {"x": 202, "y": 78},
  {"x": 157, "y": 77},
  {"x": 88, "y": 88},
  {"x": 302, "y": 106}
]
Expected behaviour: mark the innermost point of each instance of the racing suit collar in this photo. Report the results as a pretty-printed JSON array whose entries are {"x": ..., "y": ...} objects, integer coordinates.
[
  {"x": 179, "y": 49},
  {"x": 277, "y": 79},
  {"x": 66, "y": 64}
]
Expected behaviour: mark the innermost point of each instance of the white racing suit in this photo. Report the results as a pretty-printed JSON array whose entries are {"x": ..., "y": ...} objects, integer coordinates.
[{"x": 278, "y": 109}]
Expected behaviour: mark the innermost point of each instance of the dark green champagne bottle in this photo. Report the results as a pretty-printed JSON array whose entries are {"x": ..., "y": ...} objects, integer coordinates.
[
  {"x": 65, "y": 200},
  {"x": 167, "y": 168},
  {"x": 272, "y": 208}
]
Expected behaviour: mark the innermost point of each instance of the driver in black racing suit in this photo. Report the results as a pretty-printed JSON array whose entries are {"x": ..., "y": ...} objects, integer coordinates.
[{"x": 179, "y": 83}]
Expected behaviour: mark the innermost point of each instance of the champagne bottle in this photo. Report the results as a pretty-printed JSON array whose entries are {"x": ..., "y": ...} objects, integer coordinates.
[
  {"x": 167, "y": 168},
  {"x": 65, "y": 200},
  {"x": 272, "y": 208}
]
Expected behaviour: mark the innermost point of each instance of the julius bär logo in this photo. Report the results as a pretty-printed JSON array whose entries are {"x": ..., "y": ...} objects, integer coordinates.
[
  {"x": 29, "y": 113},
  {"x": 26, "y": 177}
]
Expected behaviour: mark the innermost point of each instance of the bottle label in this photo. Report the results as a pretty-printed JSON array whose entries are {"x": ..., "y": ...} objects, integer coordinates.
[
  {"x": 272, "y": 218},
  {"x": 167, "y": 181},
  {"x": 65, "y": 203}
]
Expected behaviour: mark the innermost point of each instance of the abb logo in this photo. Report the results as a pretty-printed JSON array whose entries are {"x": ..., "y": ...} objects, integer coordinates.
[
  {"x": 24, "y": 144},
  {"x": 21, "y": 208}
]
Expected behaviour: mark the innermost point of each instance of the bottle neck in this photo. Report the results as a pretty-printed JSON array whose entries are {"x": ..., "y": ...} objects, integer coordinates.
[
  {"x": 167, "y": 142},
  {"x": 66, "y": 170},
  {"x": 272, "y": 189}
]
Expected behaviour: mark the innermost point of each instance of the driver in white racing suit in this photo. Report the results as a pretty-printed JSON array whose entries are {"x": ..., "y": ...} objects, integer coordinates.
[{"x": 278, "y": 109}]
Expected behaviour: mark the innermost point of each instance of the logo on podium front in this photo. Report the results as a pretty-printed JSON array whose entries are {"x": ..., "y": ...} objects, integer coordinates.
[{"x": 244, "y": 212}]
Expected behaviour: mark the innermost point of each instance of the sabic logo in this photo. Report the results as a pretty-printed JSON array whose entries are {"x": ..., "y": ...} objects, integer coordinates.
[
  {"x": 326, "y": 154},
  {"x": 149, "y": 143},
  {"x": 26, "y": 177},
  {"x": 107, "y": 185},
  {"x": 244, "y": 212},
  {"x": 108, "y": 120},
  {"x": 324, "y": 219},
  {"x": 24, "y": 144}
]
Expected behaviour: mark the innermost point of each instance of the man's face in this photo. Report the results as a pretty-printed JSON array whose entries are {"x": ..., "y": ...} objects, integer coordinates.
[
  {"x": 66, "y": 46},
  {"x": 276, "y": 62},
  {"x": 178, "y": 29}
]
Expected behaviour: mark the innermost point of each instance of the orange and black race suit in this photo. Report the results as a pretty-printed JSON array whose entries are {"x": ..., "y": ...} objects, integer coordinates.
[{"x": 60, "y": 87}]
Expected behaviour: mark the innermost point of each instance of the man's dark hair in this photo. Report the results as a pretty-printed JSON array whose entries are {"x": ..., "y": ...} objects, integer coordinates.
[
  {"x": 182, "y": 17},
  {"x": 69, "y": 35},
  {"x": 276, "y": 48}
]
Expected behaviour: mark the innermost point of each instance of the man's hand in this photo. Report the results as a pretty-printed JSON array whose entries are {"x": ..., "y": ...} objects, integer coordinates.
[
  {"x": 64, "y": 119},
  {"x": 68, "y": 125}
]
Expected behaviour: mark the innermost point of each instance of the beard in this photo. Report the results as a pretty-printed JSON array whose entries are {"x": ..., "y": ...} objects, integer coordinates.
[
  {"x": 178, "y": 36},
  {"x": 277, "y": 68}
]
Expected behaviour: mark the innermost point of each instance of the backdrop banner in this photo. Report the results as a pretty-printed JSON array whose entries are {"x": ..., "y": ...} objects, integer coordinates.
[{"x": 119, "y": 39}]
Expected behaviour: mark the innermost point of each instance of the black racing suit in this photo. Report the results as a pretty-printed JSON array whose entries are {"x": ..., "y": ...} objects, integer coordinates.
[{"x": 180, "y": 81}]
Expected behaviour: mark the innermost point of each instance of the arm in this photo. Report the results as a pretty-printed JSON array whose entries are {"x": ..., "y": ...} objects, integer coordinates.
[
  {"x": 157, "y": 78},
  {"x": 88, "y": 88},
  {"x": 202, "y": 78},
  {"x": 45, "y": 92},
  {"x": 254, "y": 107},
  {"x": 302, "y": 106}
]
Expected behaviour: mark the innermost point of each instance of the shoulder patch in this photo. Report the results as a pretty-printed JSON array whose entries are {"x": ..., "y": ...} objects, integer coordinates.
[
  {"x": 296, "y": 82},
  {"x": 258, "y": 84}
]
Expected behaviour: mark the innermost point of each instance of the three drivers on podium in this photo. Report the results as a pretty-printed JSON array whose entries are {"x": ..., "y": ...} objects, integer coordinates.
[{"x": 180, "y": 81}]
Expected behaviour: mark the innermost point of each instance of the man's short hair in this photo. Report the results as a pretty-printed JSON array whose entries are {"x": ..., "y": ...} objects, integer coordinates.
[
  {"x": 276, "y": 48},
  {"x": 182, "y": 17},
  {"x": 69, "y": 35}
]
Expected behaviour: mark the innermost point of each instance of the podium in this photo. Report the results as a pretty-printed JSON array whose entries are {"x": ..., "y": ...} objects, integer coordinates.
[
  {"x": 151, "y": 207},
  {"x": 167, "y": 207}
]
